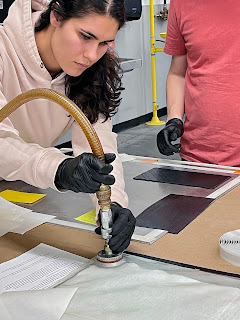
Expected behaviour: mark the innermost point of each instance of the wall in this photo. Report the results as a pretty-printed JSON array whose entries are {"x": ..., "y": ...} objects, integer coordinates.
[{"x": 133, "y": 41}]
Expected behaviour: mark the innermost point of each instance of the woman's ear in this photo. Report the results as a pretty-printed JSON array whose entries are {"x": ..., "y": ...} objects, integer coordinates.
[{"x": 54, "y": 19}]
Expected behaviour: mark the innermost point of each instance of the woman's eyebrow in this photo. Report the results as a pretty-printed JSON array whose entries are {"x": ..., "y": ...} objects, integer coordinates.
[{"x": 95, "y": 37}]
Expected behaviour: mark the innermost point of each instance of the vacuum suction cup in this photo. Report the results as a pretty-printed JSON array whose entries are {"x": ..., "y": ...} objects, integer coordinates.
[{"x": 106, "y": 260}]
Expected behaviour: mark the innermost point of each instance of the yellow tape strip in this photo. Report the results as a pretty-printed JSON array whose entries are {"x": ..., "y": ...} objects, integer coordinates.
[
  {"x": 21, "y": 197},
  {"x": 88, "y": 217}
]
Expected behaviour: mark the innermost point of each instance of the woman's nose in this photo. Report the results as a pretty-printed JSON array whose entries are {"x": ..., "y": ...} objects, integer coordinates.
[{"x": 91, "y": 53}]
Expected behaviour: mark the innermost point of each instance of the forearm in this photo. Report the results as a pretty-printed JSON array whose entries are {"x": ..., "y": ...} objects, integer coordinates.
[
  {"x": 27, "y": 162},
  {"x": 175, "y": 96},
  {"x": 118, "y": 188},
  {"x": 176, "y": 87}
]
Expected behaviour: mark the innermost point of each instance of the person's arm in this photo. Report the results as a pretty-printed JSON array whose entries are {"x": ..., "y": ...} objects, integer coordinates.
[
  {"x": 175, "y": 107},
  {"x": 176, "y": 87},
  {"x": 23, "y": 161}
]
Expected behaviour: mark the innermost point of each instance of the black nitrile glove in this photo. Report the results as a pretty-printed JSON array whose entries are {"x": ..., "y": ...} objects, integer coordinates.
[
  {"x": 171, "y": 132},
  {"x": 122, "y": 229},
  {"x": 85, "y": 173}
]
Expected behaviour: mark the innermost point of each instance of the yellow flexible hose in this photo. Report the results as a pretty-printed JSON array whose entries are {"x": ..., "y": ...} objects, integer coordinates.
[{"x": 64, "y": 102}]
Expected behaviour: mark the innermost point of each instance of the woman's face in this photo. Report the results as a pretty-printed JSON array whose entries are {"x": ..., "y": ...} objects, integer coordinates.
[{"x": 78, "y": 43}]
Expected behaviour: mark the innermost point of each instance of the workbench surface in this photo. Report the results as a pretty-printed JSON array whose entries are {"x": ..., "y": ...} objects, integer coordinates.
[{"x": 197, "y": 245}]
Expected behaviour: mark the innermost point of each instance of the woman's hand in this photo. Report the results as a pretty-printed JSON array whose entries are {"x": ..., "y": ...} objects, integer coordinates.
[
  {"x": 85, "y": 173},
  {"x": 122, "y": 229}
]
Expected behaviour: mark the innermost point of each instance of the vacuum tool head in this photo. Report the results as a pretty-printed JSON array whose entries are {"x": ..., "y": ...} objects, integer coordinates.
[{"x": 105, "y": 260}]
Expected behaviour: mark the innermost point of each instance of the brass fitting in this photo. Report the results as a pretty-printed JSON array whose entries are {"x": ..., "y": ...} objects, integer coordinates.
[{"x": 103, "y": 196}]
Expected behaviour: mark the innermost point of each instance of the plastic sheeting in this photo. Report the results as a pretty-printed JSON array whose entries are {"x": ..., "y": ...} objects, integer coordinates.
[
  {"x": 131, "y": 292},
  {"x": 14, "y": 218},
  {"x": 47, "y": 304}
]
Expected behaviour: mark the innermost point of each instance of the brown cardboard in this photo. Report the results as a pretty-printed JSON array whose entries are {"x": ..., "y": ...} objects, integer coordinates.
[
  {"x": 198, "y": 243},
  {"x": 79, "y": 242}
]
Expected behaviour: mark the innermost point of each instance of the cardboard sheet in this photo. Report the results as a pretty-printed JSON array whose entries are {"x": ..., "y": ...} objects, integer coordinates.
[
  {"x": 193, "y": 179},
  {"x": 172, "y": 213}
]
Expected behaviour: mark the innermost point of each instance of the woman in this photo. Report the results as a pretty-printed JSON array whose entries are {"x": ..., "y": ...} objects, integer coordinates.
[{"x": 63, "y": 45}]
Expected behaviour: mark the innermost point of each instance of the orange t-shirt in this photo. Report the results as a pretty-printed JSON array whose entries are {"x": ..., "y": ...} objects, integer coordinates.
[{"x": 208, "y": 33}]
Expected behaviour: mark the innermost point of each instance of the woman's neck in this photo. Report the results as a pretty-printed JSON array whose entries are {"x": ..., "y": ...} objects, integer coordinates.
[{"x": 43, "y": 41}]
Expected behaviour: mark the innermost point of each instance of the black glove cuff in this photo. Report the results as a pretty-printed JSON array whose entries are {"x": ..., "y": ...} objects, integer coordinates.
[
  {"x": 116, "y": 204},
  {"x": 59, "y": 174},
  {"x": 175, "y": 121}
]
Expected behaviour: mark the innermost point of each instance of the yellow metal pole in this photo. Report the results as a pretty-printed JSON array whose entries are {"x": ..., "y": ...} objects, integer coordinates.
[{"x": 155, "y": 120}]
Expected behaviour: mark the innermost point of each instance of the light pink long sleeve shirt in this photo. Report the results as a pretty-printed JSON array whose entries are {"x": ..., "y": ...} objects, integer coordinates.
[{"x": 27, "y": 137}]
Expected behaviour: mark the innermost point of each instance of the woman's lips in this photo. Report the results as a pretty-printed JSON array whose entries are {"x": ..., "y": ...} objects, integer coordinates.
[{"x": 81, "y": 65}]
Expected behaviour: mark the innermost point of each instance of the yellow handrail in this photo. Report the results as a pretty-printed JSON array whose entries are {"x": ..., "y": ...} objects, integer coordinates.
[{"x": 155, "y": 120}]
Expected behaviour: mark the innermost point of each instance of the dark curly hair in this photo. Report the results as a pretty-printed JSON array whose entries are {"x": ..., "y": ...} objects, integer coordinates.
[{"x": 97, "y": 90}]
